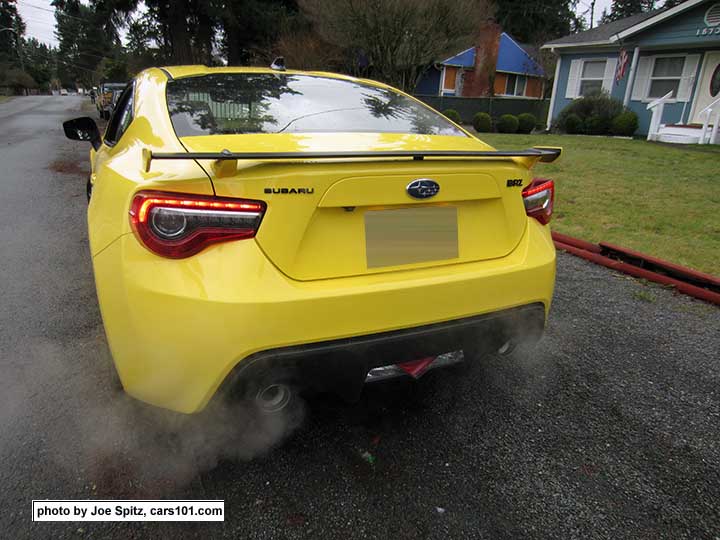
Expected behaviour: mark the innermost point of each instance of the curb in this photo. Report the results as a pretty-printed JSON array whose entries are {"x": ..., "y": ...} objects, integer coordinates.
[{"x": 686, "y": 280}]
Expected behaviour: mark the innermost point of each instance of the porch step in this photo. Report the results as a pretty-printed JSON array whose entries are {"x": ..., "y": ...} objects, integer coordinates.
[
  {"x": 677, "y": 138},
  {"x": 676, "y": 129},
  {"x": 681, "y": 134}
]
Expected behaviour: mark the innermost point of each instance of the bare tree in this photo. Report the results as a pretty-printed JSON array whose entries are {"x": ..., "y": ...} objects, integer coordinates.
[
  {"x": 398, "y": 39},
  {"x": 303, "y": 49}
]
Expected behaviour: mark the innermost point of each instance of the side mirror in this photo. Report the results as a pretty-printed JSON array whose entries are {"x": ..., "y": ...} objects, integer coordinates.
[{"x": 83, "y": 129}]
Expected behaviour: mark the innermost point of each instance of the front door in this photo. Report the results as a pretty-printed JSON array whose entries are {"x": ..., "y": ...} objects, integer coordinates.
[{"x": 709, "y": 88}]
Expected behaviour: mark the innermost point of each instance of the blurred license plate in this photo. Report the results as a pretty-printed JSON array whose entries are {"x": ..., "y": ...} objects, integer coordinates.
[{"x": 410, "y": 235}]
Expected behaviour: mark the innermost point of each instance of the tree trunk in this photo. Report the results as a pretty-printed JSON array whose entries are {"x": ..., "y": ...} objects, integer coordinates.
[
  {"x": 178, "y": 29},
  {"x": 233, "y": 41}
]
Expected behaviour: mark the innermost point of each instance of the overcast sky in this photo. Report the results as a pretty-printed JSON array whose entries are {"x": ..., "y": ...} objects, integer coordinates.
[
  {"x": 40, "y": 19},
  {"x": 584, "y": 7}
]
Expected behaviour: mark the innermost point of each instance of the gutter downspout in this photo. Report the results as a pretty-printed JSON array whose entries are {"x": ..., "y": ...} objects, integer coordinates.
[
  {"x": 554, "y": 90},
  {"x": 631, "y": 76}
]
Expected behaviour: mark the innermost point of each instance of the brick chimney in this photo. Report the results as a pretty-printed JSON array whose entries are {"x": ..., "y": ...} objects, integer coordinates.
[{"x": 479, "y": 82}]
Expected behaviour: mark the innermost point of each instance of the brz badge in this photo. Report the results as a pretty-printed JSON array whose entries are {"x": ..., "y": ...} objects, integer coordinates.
[{"x": 423, "y": 188}]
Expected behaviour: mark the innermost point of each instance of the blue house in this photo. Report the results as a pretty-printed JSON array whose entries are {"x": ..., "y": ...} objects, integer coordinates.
[
  {"x": 664, "y": 65},
  {"x": 498, "y": 65}
]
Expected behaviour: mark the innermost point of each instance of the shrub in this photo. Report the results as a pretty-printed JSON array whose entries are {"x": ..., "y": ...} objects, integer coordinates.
[
  {"x": 573, "y": 124},
  {"x": 597, "y": 125},
  {"x": 624, "y": 124},
  {"x": 600, "y": 107},
  {"x": 482, "y": 122},
  {"x": 526, "y": 122},
  {"x": 453, "y": 115},
  {"x": 17, "y": 79},
  {"x": 508, "y": 123}
]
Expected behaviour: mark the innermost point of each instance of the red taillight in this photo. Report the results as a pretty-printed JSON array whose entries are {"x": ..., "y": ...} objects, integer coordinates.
[
  {"x": 177, "y": 225},
  {"x": 539, "y": 197}
]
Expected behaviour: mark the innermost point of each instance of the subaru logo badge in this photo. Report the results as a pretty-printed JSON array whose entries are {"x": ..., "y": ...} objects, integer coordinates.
[{"x": 423, "y": 188}]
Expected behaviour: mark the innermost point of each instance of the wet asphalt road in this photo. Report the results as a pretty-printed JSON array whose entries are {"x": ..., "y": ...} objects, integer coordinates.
[{"x": 611, "y": 429}]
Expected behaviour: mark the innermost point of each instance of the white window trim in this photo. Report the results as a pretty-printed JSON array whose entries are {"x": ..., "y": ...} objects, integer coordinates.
[
  {"x": 575, "y": 78},
  {"x": 650, "y": 79},
  {"x": 582, "y": 68},
  {"x": 508, "y": 96}
]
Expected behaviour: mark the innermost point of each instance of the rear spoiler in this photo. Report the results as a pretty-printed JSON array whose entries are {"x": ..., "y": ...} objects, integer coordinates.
[{"x": 544, "y": 154}]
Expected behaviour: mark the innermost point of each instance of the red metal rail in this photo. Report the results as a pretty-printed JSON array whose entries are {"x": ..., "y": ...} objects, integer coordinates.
[{"x": 685, "y": 280}]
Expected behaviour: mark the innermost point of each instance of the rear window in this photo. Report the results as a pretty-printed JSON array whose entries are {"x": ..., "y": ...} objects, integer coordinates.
[{"x": 233, "y": 103}]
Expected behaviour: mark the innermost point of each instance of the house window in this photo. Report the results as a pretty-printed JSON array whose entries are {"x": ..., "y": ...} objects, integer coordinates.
[
  {"x": 715, "y": 82},
  {"x": 666, "y": 75},
  {"x": 515, "y": 85},
  {"x": 591, "y": 79}
]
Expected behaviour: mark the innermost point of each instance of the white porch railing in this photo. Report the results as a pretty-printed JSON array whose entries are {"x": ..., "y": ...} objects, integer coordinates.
[
  {"x": 657, "y": 132},
  {"x": 657, "y": 107},
  {"x": 707, "y": 112}
]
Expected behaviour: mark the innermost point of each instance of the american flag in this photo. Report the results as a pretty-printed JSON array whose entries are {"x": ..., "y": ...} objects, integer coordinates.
[{"x": 621, "y": 69}]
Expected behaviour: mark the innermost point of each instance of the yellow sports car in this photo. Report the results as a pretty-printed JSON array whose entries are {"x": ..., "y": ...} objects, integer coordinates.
[{"x": 258, "y": 231}]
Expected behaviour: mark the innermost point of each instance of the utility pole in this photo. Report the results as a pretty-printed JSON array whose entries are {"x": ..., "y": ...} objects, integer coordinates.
[{"x": 592, "y": 13}]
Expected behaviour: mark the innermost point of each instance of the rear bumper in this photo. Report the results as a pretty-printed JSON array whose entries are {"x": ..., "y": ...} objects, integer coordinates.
[
  {"x": 178, "y": 329},
  {"x": 341, "y": 366}
]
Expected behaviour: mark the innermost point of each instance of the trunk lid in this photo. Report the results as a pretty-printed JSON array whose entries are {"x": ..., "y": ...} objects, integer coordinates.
[{"x": 335, "y": 218}]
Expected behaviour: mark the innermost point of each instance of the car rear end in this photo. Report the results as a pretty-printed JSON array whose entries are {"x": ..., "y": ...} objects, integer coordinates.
[{"x": 321, "y": 270}]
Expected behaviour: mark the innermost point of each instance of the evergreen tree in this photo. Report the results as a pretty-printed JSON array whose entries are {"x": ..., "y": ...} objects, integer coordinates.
[
  {"x": 620, "y": 9},
  {"x": 251, "y": 27},
  {"x": 39, "y": 62},
  {"x": 87, "y": 35},
  {"x": 537, "y": 21},
  {"x": 11, "y": 24}
]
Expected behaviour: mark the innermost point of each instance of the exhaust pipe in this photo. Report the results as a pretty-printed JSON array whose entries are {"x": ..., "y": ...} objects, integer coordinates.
[
  {"x": 507, "y": 348},
  {"x": 273, "y": 398}
]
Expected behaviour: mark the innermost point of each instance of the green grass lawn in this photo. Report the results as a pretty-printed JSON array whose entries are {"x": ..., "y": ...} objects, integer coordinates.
[
  {"x": 660, "y": 199},
  {"x": 5, "y": 98}
]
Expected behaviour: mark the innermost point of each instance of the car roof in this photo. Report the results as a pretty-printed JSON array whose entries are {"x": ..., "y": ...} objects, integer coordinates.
[{"x": 178, "y": 72}]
